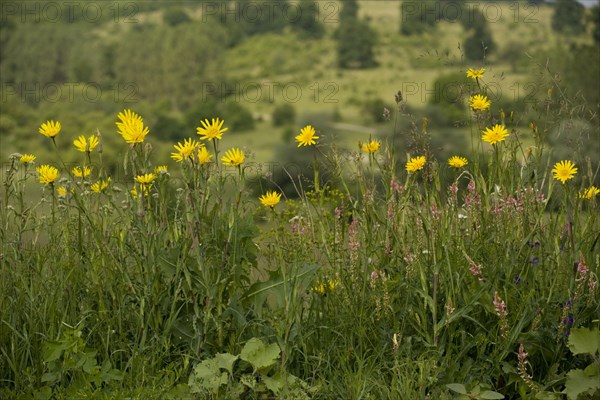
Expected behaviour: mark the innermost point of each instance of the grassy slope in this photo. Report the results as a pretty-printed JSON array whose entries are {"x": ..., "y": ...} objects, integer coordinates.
[{"x": 284, "y": 61}]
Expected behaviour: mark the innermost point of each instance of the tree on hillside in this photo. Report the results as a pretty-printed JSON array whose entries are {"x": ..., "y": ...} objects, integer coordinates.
[
  {"x": 595, "y": 19},
  {"x": 356, "y": 40},
  {"x": 349, "y": 9},
  {"x": 480, "y": 41},
  {"x": 417, "y": 17},
  {"x": 568, "y": 17},
  {"x": 174, "y": 16},
  {"x": 308, "y": 24}
]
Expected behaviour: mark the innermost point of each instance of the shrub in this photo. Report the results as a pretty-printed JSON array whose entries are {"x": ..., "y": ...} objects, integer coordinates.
[{"x": 284, "y": 114}]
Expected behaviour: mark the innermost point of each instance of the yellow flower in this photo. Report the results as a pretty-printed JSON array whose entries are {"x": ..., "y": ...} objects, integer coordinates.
[
  {"x": 211, "y": 130},
  {"x": 416, "y": 163},
  {"x": 27, "y": 158},
  {"x": 161, "y": 169},
  {"x": 270, "y": 199},
  {"x": 47, "y": 174},
  {"x": 327, "y": 286},
  {"x": 203, "y": 155},
  {"x": 475, "y": 73},
  {"x": 133, "y": 192},
  {"x": 145, "y": 182},
  {"x": 131, "y": 127},
  {"x": 184, "y": 150},
  {"x": 233, "y": 157},
  {"x": 589, "y": 193},
  {"x": 457, "y": 161},
  {"x": 78, "y": 173},
  {"x": 307, "y": 136},
  {"x": 50, "y": 129},
  {"x": 479, "y": 102},
  {"x": 564, "y": 170},
  {"x": 100, "y": 185},
  {"x": 495, "y": 134},
  {"x": 86, "y": 145},
  {"x": 61, "y": 191},
  {"x": 371, "y": 147}
]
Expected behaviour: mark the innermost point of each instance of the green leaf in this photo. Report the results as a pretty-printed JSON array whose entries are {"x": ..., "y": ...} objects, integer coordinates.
[
  {"x": 226, "y": 361},
  {"x": 207, "y": 376},
  {"x": 44, "y": 393},
  {"x": 578, "y": 383},
  {"x": 260, "y": 355},
  {"x": 51, "y": 377},
  {"x": 258, "y": 292},
  {"x": 592, "y": 370},
  {"x": 53, "y": 350},
  {"x": 457, "y": 387},
  {"x": 274, "y": 384},
  {"x": 584, "y": 341},
  {"x": 489, "y": 394}
]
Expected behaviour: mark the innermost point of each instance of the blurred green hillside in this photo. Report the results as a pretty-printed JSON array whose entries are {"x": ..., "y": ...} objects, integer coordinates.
[{"x": 178, "y": 62}]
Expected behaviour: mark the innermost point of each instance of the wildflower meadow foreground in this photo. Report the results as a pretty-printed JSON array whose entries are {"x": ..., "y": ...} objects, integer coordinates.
[{"x": 384, "y": 276}]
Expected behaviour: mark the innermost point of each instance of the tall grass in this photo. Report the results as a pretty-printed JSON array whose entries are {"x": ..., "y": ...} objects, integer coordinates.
[{"x": 376, "y": 282}]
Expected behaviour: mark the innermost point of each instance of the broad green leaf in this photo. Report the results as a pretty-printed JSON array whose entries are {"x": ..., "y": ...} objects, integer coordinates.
[
  {"x": 207, "y": 376},
  {"x": 584, "y": 341},
  {"x": 488, "y": 394},
  {"x": 226, "y": 361},
  {"x": 257, "y": 293},
  {"x": 51, "y": 377},
  {"x": 592, "y": 370},
  {"x": 578, "y": 383},
  {"x": 259, "y": 354},
  {"x": 457, "y": 387},
  {"x": 44, "y": 393},
  {"x": 53, "y": 350},
  {"x": 274, "y": 384}
]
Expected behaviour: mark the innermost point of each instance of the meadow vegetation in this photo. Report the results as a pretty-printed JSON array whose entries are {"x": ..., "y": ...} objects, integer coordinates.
[{"x": 391, "y": 246}]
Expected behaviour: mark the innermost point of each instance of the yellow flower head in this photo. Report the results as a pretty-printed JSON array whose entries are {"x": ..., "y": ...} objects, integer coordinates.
[
  {"x": 270, "y": 199},
  {"x": 479, "y": 102},
  {"x": 203, "y": 155},
  {"x": 211, "y": 130},
  {"x": 307, "y": 136},
  {"x": 61, "y": 191},
  {"x": 100, "y": 186},
  {"x": 233, "y": 157},
  {"x": 457, "y": 161},
  {"x": 371, "y": 147},
  {"x": 84, "y": 145},
  {"x": 27, "y": 158},
  {"x": 50, "y": 129},
  {"x": 589, "y": 193},
  {"x": 161, "y": 169},
  {"x": 495, "y": 134},
  {"x": 475, "y": 73},
  {"x": 327, "y": 286},
  {"x": 145, "y": 182},
  {"x": 79, "y": 173},
  {"x": 416, "y": 163},
  {"x": 185, "y": 150},
  {"x": 47, "y": 174},
  {"x": 131, "y": 127},
  {"x": 564, "y": 170}
]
